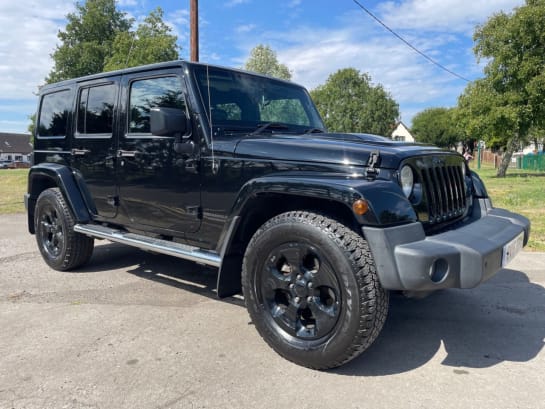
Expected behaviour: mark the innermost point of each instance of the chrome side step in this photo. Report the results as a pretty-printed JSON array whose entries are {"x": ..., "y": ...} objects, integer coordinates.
[{"x": 150, "y": 244}]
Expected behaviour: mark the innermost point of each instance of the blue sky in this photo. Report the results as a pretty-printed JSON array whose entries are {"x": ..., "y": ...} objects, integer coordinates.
[{"x": 314, "y": 38}]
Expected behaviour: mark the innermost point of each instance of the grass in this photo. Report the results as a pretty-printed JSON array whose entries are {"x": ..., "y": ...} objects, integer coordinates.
[
  {"x": 12, "y": 188},
  {"x": 521, "y": 191}
]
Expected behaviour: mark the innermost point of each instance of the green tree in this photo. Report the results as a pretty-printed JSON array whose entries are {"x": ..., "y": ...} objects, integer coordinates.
[
  {"x": 503, "y": 107},
  {"x": 151, "y": 42},
  {"x": 349, "y": 102},
  {"x": 436, "y": 126},
  {"x": 87, "y": 40},
  {"x": 263, "y": 60}
]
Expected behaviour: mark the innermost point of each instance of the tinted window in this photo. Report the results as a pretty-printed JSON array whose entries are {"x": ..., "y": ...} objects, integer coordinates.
[
  {"x": 150, "y": 93},
  {"x": 238, "y": 100},
  {"x": 96, "y": 109},
  {"x": 54, "y": 114}
]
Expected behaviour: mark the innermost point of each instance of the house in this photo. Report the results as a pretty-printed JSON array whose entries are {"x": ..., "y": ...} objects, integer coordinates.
[
  {"x": 15, "y": 147},
  {"x": 402, "y": 133}
]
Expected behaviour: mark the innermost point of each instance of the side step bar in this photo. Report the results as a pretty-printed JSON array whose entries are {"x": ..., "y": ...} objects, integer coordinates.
[{"x": 150, "y": 244}]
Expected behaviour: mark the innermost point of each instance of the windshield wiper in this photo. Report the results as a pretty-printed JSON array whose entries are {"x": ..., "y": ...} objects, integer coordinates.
[
  {"x": 268, "y": 125},
  {"x": 314, "y": 130}
]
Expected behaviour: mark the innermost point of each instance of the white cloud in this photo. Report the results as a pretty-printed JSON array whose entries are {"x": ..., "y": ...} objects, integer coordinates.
[
  {"x": 178, "y": 21},
  {"x": 127, "y": 3},
  {"x": 444, "y": 15},
  {"x": 233, "y": 3},
  {"x": 29, "y": 34},
  {"x": 245, "y": 28}
]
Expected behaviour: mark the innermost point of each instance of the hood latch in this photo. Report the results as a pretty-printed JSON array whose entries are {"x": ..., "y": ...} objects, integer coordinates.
[{"x": 372, "y": 164}]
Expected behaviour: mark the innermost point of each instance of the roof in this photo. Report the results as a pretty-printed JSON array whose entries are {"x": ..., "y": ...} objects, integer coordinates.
[
  {"x": 154, "y": 66},
  {"x": 401, "y": 124},
  {"x": 15, "y": 143}
]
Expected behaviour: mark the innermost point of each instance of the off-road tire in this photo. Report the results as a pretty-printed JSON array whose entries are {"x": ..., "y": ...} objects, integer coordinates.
[
  {"x": 61, "y": 247},
  {"x": 292, "y": 250}
]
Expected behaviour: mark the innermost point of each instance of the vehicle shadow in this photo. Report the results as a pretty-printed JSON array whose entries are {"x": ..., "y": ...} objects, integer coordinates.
[
  {"x": 501, "y": 320},
  {"x": 172, "y": 271}
]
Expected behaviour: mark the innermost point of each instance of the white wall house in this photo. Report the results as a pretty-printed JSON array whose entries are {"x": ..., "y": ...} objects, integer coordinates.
[
  {"x": 15, "y": 147},
  {"x": 402, "y": 133}
]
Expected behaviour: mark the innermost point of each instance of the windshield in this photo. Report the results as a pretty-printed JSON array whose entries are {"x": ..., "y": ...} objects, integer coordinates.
[{"x": 240, "y": 101}]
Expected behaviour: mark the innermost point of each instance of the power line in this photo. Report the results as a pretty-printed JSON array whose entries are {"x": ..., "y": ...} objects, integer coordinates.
[{"x": 409, "y": 44}]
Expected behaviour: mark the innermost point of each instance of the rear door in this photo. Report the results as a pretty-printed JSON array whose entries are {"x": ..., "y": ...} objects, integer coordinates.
[
  {"x": 93, "y": 147},
  {"x": 158, "y": 188}
]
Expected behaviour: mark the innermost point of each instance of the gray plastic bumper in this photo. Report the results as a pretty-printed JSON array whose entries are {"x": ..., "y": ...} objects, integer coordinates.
[{"x": 462, "y": 258}]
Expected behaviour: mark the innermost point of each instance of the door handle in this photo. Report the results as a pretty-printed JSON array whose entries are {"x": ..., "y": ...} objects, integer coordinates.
[
  {"x": 80, "y": 152},
  {"x": 126, "y": 154}
]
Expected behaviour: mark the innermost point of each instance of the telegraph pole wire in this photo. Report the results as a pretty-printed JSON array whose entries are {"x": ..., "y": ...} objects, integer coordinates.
[{"x": 409, "y": 44}]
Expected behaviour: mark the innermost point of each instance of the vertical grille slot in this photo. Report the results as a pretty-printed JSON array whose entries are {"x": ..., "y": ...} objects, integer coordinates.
[{"x": 444, "y": 190}]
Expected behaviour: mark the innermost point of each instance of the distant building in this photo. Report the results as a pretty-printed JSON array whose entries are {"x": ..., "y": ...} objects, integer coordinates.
[
  {"x": 402, "y": 133},
  {"x": 15, "y": 147}
]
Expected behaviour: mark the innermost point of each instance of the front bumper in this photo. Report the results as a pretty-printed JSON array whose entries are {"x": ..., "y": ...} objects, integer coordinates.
[{"x": 460, "y": 258}]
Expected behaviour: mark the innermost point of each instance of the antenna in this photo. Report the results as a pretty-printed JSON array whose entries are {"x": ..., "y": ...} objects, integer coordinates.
[{"x": 130, "y": 50}]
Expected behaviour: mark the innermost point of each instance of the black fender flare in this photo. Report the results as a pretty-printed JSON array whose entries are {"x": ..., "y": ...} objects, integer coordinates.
[
  {"x": 387, "y": 205},
  {"x": 46, "y": 175}
]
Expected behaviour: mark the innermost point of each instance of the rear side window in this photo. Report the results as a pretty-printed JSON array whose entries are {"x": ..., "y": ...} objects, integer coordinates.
[
  {"x": 96, "y": 110},
  {"x": 53, "y": 118},
  {"x": 149, "y": 93}
]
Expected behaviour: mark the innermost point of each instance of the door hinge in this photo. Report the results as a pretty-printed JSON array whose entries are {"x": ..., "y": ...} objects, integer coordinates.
[
  {"x": 113, "y": 201},
  {"x": 195, "y": 211}
]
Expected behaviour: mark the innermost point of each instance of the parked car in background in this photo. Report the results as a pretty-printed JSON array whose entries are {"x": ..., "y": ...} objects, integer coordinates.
[
  {"x": 20, "y": 165},
  {"x": 6, "y": 164}
]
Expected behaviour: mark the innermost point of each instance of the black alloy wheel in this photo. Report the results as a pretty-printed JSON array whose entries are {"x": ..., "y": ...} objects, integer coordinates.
[
  {"x": 299, "y": 288},
  {"x": 311, "y": 289},
  {"x": 61, "y": 248}
]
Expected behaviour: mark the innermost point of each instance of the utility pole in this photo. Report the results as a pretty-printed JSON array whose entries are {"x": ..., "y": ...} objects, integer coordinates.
[{"x": 194, "y": 27}]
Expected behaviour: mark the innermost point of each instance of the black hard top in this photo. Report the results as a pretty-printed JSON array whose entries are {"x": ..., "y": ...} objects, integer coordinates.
[{"x": 148, "y": 67}]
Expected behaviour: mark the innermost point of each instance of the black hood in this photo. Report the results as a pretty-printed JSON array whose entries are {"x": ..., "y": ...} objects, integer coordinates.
[{"x": 332, "y": 148}]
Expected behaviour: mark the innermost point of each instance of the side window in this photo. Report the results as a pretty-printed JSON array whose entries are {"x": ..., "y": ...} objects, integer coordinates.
[
  {"x": 96, "y": 110},
  {"x": 149, "y": 93},
  {"x": 53, "y": 117}
]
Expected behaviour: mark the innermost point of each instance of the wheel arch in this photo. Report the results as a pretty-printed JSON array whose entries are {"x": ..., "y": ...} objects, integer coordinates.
[
  {"x": 260, "y": 200},
  {"x": 50, "y": 175}
]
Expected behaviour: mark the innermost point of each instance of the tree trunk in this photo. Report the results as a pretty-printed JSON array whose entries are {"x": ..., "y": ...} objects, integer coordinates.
[{"x": 507, "y": 155}]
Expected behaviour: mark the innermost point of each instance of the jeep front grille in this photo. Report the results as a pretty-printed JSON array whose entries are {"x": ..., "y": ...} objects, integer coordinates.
[{"x": 443, "y": 192}]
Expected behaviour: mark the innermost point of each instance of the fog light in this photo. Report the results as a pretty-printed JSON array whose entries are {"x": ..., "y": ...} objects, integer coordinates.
[{"x": 439, "y": 270}]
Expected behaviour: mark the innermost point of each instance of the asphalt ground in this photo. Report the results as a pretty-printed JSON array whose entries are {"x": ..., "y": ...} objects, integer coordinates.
[{"x": 136, "y": 330}]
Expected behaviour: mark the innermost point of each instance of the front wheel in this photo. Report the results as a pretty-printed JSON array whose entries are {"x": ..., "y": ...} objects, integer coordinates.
[
  {"x": 311, "y": 289},
  {"x": 61, "y": 247}
]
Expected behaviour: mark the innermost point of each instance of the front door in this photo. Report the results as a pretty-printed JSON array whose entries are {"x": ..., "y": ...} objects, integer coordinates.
[{"x": 158, "y": 188}]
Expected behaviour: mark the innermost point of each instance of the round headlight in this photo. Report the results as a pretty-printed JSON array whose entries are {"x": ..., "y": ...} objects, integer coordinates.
[{"x": 407, "y": 180}]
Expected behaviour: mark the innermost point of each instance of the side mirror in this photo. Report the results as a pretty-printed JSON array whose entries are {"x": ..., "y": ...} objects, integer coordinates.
[{"x": 168, "y": 121}]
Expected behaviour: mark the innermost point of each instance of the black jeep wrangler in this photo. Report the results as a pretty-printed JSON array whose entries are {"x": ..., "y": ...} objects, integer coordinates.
[{"x": 237, "y": 171}]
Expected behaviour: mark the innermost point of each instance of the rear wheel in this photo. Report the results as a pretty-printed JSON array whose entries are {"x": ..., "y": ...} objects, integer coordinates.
[
  {"x": 61, "y": 247},
  {"x": 311, "y": 289}
]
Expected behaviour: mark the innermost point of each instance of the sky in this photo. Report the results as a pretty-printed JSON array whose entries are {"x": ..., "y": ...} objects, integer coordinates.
[{"x": 314, "y": 38}]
